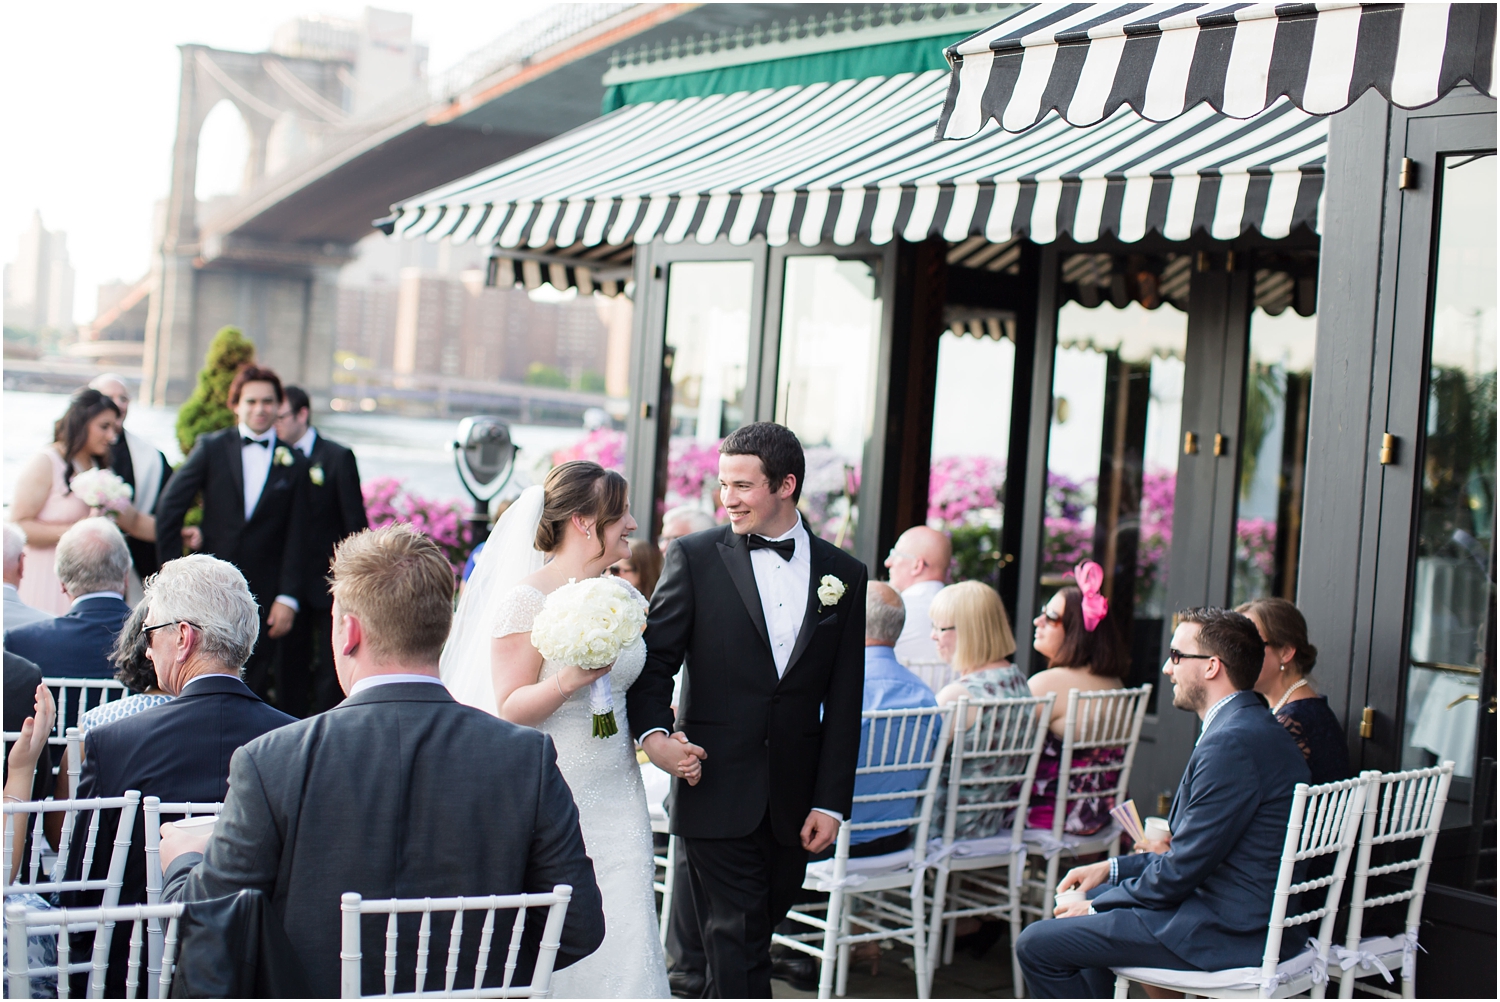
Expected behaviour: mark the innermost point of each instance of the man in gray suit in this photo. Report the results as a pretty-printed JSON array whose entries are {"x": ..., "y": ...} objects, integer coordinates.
[
  {"x": 17, "y": 613},
  {"x": 399, "y": 791}
]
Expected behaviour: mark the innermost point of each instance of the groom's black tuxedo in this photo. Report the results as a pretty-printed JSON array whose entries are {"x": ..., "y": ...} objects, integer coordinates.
[{"x": 802, "y": 729}]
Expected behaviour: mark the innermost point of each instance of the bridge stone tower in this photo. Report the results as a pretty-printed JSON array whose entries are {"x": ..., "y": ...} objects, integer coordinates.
[{"x": 217, "y": 270}]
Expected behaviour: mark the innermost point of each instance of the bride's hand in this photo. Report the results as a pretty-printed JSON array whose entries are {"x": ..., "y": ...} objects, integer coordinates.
[{"x": 572, "y": 678}]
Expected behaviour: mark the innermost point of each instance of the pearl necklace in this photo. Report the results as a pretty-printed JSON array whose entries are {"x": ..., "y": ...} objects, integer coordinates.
[{"x": 1288, "y": 694}]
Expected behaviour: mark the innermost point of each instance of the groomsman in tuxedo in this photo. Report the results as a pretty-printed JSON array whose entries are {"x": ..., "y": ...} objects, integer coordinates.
[
  {"x": 254, "y": 489},
  {"x": 141, "y": 465},
  {"x": 306, "y": 683}
]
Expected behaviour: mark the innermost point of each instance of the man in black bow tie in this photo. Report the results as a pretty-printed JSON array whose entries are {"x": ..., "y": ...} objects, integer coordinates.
[
  {"x": 769, "y": 622},
  {"x": 254, "y": 490}
]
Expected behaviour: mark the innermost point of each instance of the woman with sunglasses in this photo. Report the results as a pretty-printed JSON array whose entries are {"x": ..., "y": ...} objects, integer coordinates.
[{"x": 1077, "y": 636}]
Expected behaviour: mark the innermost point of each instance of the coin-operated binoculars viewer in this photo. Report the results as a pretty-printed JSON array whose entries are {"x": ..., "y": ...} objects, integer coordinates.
[{"x": 486, "y": 458}]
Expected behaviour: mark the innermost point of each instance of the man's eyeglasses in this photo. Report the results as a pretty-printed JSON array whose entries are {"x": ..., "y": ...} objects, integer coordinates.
[
  {"x": 896, "y": 554},
  {"x": 146, "y": 631},
  {"x": 1176, "y": 656}
]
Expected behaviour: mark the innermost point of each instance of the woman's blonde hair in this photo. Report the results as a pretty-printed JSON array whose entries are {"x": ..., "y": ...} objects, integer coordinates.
[{"x": 983, "y": 628}]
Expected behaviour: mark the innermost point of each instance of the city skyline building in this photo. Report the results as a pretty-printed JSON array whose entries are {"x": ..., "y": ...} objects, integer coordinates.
[{"x": 39, "y": 281}]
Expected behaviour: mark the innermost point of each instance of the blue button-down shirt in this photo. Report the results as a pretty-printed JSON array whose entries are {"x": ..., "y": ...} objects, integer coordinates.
[{"x": 888, "y": 686}]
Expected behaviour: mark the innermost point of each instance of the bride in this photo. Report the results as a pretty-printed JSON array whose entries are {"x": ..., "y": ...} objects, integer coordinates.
[{"x": 571, "y": 528}]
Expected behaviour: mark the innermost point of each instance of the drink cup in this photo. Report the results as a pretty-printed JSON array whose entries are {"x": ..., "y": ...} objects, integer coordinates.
[
  {"x": 1157, "y": 829},
  {"x": 202, "y": 825},
  {"x": 1065, "y": 898}
]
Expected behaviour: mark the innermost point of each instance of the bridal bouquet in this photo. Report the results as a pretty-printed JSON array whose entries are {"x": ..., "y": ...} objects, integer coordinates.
[
  {"x": 99, "y": 488},
  {"x": 587, "y": 623}
]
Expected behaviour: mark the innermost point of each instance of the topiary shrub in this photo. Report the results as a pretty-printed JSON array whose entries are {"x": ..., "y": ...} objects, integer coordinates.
[{"x": 207, "y": 410}]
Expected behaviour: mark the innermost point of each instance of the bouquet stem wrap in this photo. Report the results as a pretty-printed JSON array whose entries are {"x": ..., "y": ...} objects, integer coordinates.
[{"x": 587, "y": 623}]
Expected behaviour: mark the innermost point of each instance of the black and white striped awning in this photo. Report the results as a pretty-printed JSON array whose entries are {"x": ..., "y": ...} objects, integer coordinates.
[
  {"x": 1087, "y": 60},
  {"x": 855, "y": 161}
]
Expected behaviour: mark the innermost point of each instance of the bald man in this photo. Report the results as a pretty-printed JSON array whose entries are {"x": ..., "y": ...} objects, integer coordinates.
[
  {"x": 141, "y": 465},
  {"x": 919, "y": 568}
]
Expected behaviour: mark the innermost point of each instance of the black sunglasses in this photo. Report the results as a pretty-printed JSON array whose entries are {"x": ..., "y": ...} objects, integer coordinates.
[
  {"x": 146, "y": 631},
  {"x": 1176, "y": 656}
]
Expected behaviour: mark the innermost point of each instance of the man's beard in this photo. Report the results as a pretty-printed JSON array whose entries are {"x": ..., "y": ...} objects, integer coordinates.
[{"x": 1189, "y": 696}]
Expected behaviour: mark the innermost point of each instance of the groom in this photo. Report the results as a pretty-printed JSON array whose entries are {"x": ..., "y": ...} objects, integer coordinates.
[{"x": 769, "y": 622}]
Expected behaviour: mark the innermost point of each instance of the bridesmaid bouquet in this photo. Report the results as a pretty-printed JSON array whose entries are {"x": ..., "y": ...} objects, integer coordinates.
[
  {"x": 100, "y": 488},
  {"x": 587, "y": 623}
]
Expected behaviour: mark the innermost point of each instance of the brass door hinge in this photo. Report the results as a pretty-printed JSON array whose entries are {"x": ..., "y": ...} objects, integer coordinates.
[
  {"x": 1387, "y": 449},
  {"x": 1190, "y": 444},
  {"x": 1367, "y": 723},
  {"x": 645, "y": 410},
  {"x": 1221, "y": 444},
  {"x": 1408, "y": 176}
]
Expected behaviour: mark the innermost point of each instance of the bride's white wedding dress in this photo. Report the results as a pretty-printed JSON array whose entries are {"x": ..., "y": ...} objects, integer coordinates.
[
  {"x": 606, "y": 783},
  {"x": 601, "y": 772}
]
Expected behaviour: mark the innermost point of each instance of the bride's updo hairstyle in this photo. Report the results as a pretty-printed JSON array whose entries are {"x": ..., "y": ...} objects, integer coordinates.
[{"x": 582, "y": 488}]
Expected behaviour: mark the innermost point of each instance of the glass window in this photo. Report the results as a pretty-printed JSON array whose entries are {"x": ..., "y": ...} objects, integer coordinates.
[
  {"x": 704, "y": 367},
  {"x": 1273, "y": 455},
  {"x": 1452, "y": 594},
  {"x": 970, "y": 443},
  {"x": 825, "y": 382},
  {"x": 1112, "y": 461}
]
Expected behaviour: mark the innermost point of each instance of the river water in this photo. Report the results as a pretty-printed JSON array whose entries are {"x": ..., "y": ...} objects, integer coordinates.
[{"x": 415, "y": 450}]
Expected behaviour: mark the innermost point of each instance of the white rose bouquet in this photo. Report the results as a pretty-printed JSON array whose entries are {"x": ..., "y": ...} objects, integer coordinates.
[
  {"x": 587, "y": 623},
  {"x": 99, "y": 488}
]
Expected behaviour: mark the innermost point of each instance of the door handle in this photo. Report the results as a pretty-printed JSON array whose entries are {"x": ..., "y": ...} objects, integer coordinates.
[
  {"x": 1367, "y": 723},
  {"x": 1462, "y": 699}
]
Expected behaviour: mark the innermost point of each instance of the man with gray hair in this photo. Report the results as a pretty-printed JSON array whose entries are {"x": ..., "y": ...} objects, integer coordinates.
[
  {"x": 202, "y": 622},
  {"x": 684, "y": 520},
  {"x": 17, "y": 613},
  {"x": 92, "y": 564}
]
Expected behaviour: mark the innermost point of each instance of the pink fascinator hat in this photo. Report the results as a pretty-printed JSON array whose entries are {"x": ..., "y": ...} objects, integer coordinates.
[{"x": 1089, "y": 577}]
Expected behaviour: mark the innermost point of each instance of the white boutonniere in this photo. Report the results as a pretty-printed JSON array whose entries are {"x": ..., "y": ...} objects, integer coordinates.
[
  {"x": 282, "y": 456},
  {"x": 830, "y": 590},
  {"x": 315, "y": 474}
]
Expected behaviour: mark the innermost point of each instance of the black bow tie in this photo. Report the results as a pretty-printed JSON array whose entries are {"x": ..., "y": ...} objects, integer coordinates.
[
  {"x": 247, "y": 440},
  {"x": 785, "y": 547}
]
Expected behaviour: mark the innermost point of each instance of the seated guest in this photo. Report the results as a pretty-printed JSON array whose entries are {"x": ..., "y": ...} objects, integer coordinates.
[
  {"x": 919, "y": 565},
  {"x": 888, "y": 686},
  {"x": 1077, "y": 636},
  {"x": 1283, "y": 681},
  {"x": 93, "y": 563},
  {"x": 1204, "y": 901},
  {"x": 972, "y": 634},
  {"x": 361, "y": 798},
  {"x": 642, "y": 569},
  {"x": 134, "y": 670},
  {"x": 202, "y": 623},
  {"x": 684, "y": 520},
  {"x": 17, "y": 612}
]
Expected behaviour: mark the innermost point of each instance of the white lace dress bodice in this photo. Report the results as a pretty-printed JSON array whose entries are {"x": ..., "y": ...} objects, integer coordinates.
[{"x": 606, "y": 783}]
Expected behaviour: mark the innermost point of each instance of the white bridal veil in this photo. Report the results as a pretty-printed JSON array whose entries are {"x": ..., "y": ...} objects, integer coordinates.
[{"x": 509, "y": 557}]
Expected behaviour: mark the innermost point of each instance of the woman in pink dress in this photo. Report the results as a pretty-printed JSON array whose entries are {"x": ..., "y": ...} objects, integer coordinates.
[{"x": 44, "y": 506}]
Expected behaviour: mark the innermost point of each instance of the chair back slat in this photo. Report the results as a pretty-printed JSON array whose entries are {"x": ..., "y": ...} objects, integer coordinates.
[
  {"x": 1098, "y": 722},
  {"x": 50, "y": 883},
  {"x": 352, "y": 907},
  {"x": 75, "y": 697},
  {"x": 1006, "y": 738},
  {"x": 22, "y": 922},
  {"x": 904, "y": 748}
]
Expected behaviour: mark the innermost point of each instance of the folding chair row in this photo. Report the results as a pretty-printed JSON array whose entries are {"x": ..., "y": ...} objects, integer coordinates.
[
  {"x": 22, "y": 924},
  {"x": 73, "y": 742},
  {"x": 75, "y": 696},
  {"x": 1334, "y": 819}
]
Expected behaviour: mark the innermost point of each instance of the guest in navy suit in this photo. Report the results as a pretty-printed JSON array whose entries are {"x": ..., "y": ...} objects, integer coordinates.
[
  {"x": 93, "y": 563},
  {"x": 202, "y": 621},
  {"x": 1200, "y": 900}
]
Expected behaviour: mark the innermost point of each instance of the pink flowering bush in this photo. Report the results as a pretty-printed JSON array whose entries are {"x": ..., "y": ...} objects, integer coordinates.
[
  {"x": 1158, "y": 494},
  {"x": 1254, "y": 557},
  {"x": 388, "y": 502},
  {"x": 692, "y": 470},
  {"x": 959, "y": 485},
  {"x": 1066, "y": 537},
  {"x": 604, "y": 446}
]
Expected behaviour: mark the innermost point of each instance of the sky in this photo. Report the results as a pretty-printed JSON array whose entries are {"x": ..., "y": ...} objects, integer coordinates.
[{"x": 89, "y": 97}]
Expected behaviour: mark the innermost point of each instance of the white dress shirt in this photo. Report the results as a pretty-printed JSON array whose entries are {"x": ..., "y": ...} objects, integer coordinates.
[
  {"x": 915, "y": 645},
  {"x": 256, "y": 463},
  {"x": 307, "y": 441},
  {"x": 96, "y": 594},
  {"x": 371, "y": 681},
  {"x": 783, "y": 586}
]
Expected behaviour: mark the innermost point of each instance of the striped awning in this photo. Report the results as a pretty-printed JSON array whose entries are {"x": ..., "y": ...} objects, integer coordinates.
[
  {"x": 855, "y": 161},
  {"x": 1085, "y": 61}
]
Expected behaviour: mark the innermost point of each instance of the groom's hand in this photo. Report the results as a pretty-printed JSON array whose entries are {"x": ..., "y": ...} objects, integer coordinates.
[
  {"x": 819, "y": 831},
  {"x": 279, "y": 620},
  {"x": 675, "y": 755}
]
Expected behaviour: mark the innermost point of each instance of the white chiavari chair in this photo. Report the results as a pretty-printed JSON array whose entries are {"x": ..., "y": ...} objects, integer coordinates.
[
  {"x": 351, "y": 956},
  {"x": 22, "y": 922},
  {"x": 658, "y": 784},
  {"x": 153, "y": 809},
  {"x": 874, "y": 898},
  {"x": 1324, "y": 822},
  {"x": 1402, "y": 807},
  {"x": 1103, "y": 727},
  {"x": 74, "y": 696},
  {"x": 990, "y": 772}
]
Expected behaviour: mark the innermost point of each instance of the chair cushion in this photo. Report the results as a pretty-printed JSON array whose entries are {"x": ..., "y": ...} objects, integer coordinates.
[
  {"x": 859, "y": 870},
  {"x": 973, "y": 853},
  {"x": 1292, "y": 976},
  {"x": 1040, "y": 840}
]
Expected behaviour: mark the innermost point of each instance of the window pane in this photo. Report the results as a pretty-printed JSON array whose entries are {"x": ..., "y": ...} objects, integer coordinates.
[
  {"x": 1273, "y": 455},
  {"x": 1112, "y": 462},
  {"x": 825, "y": 381},
  {"x": 970, "y": 442},
  {"x": 704, "y": 368},
  {"x": 1452, "y": 596}
]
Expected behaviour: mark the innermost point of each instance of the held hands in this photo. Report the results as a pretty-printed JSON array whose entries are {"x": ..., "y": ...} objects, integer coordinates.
[
  {"x": 819, "y": 831},
  {"x": 279, "y": 620},
  {"x": 175, "y": 842},
  {"x": 676, "y": 756}
]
